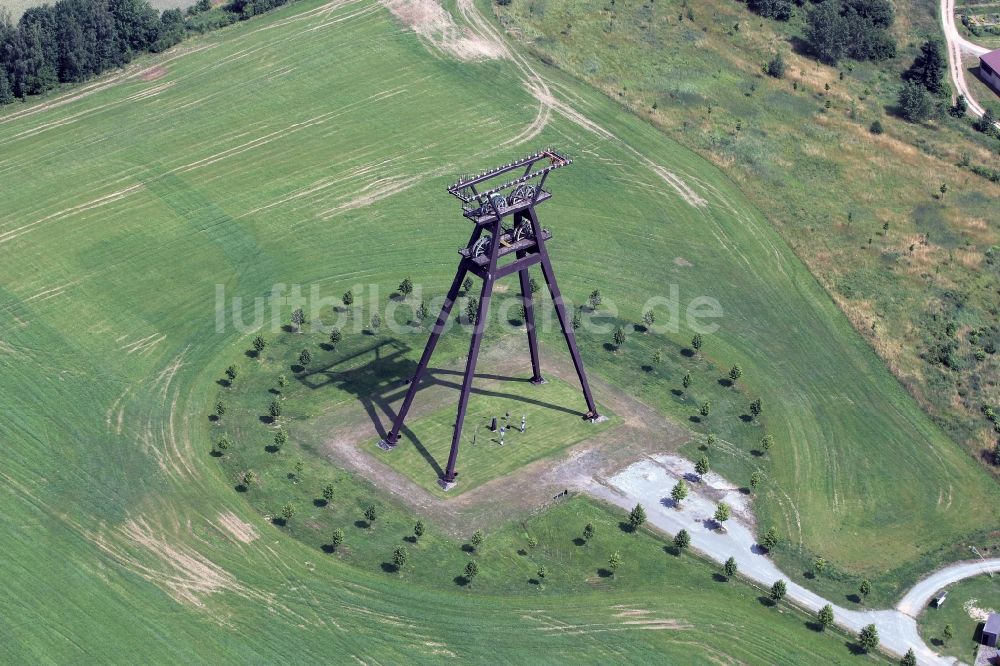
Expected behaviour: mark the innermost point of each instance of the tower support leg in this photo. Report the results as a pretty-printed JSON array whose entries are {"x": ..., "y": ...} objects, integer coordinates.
[
  {"x": 393, "y": 437},
  {"x": 564, "y": 322},
  {"x": 470, "y": 370},
  {"x": 529, "y": 322}
]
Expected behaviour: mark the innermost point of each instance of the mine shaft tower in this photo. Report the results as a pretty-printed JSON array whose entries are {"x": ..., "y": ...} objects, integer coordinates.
[{"x": 488, "y": 201}]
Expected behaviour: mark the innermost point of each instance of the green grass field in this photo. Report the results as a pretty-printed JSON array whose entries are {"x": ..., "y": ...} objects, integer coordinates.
[
  {"x": 966, "y": 599},
  {"x": 130, "y": 202}
]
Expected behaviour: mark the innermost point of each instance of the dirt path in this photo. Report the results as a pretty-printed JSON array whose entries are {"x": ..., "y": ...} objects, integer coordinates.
[{"x": 956, "y": 46}]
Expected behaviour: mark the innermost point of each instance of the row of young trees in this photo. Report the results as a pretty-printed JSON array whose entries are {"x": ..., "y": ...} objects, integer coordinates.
[{"x": 74, "y": 40}]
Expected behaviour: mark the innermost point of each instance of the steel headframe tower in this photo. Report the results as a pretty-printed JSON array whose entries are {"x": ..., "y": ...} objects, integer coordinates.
[{"x": 491, "y": 241}]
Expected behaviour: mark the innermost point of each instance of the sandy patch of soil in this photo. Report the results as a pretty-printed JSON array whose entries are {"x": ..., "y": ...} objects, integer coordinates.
[
  {"x": 153, "y": 73},
  {"x": 429, "y": 20},
  {"x": 241, "y": 531}
]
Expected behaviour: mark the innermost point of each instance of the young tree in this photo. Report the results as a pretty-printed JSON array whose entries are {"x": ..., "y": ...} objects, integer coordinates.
[
  {"x": 532, "y": 542},
  {"x": 682, "y": 540},
  {"x": 467, "y": 285},
  {"x": 961, "y": 107},
  {"x": 696, "y": 343},
  {"x": 298, "y": 319},
  {"x": 766, "y": 442},
  {"x": 868, "y": 637},
  {"x": 337, "y": 538},
  {"x": 588, "y": 531},
  {"x": 619, "y": 338},
  {"x": 280, "y": 439},
  {"x": 595, "y": 299},
  {"x": 577, "y": 320},
  {"x": 721, "y": 514},
  {"x": 477, "y": 539},
  {"x": 328, "y": 493},
  {"x": 287, "y": 512},
  {"x": 406, "y": 287},
  {"x": 220, "y": 409},
  {"x": 249, "y": 477},
  {"x": 298, "y": 470},
  {"x": 735, "y": 373},
  {"x": 657, "y": 357},
  {"x": 756, "y": 407},
  {"x": 909, "y": 659},
  {"x": 710, "y": 440},
  {"x": 399, "y": 557},
  {"x": 274, "y": 409},
  {"x": 541, "y": 573},
  {"x": 686, "y": 381},
  {"x": 282, "y": 381},
  {"x": 947, "y": 634},
  {"x": 648, "y": 319},
  {"x": 825, "y": 617},
  {"x": 305, "y": 358},
  {"x": 776, "y": 67},
  {"x": 222, "y": 445},
  {"x": 770, "y": 540},
  {"x": 679, "y": 492},
  {"x": 375, "y": 324},
  {"x": 943, "y": 190},
  {"x": 729, "y": 568},
  {"x": 335, "y": 337},
  {"x": 370, "y": 515},
  {"x": 636, "y": 517},
  {"x": 615, "y": 561},
  {"x": 756, "y": 478},
  {"x": 865, "y": 589},
  {"x": 876, "y": 127},
  {"x": 915, "y": 104},
  {"x": 471, "y": 570},
  {"x": 348, "y": 298},
  {"x": 418, "y": 530},
  {"x": 701, "y": 466},
  {"x": 533, "y": 286},
  {"x": 819, "y": 565},
  {"x": 259, "y": 343},
  {"x": 778, "y": 590},
  {"x": 705, "y": 409},
  {"x": 472, "y": 309}
]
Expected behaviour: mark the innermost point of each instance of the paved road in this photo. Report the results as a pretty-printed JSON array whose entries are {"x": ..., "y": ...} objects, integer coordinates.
[
  {"x": 957, "y": 45},
  {"x": 649, "y": 482}
]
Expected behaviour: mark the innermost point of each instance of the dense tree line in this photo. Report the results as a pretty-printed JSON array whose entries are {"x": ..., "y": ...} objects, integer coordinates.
[
  {"x": 857, "y": 29},
  {"x": 74, "y": 40}
]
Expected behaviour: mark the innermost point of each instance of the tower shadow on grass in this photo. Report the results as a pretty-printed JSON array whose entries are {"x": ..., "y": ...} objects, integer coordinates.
[{"x": 385, "y": 379}]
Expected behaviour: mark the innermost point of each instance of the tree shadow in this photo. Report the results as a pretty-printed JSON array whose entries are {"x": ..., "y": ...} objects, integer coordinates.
[
  {"x": 240, "y": 488},
  {"x": 215, "y": 453},
  {"x": 274, "y": 391},
  {"x": 288, "y": 328},
  {"x": 389, "y": 567},
  {"x": 251, "y": 353},
  {"x": 746, "y": 418},
  {"x": 515, "y": 321},
  {"x": 757, "y": 453},
  {"x": 814, "y": 626},
  {"x": 625, "y": 527},
  {"x": 687, "y": 353},
  {"x": 362, "y": 524},
  {"x": 609, "y": 347},
  {"x": 605, "y": 573},
  {"x": 296, "y": 368},
  {"x": 467, "y": 548},
  {"x": 579, "y": 541},
  {"x": 410, "y": 539},
  {"x": 744, "y": 490},
  {"x": 694, "y": 419},
  {"x": 677, "y": 392},
  {"x": 266, "y": 418},
  {"x": 767, "y": 602},
  {"x": 854, "y": 598},
  {"x": 224, "y": 383},
  {"x": 639, "y": 328},
  {"x": 671, "y": 549},
  {"x": 461, "y": 581},
  {"x": 320, "y": 502},
  {"x": 937, "y": 642},
  {"x": 758, "y": 549},
  {"x": 809, "y": 574},
  {"x": 719, "y": 578},
  {"x": 328, "y": 548},
  {"x": 522, "y": 552},
  {"x": 725, "y": 382},
  {"x": 271, "y": 448},
  {"x": 647, "y": 368},
  {"x": 669, "y": 502},
  {"x": 691, "y": 477},
  {"x": 279, "y": 521},
  {"x": 326, "y": 346},
  {"x": 533, "y": 581},
  {"x": 855, "y": 648}
]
